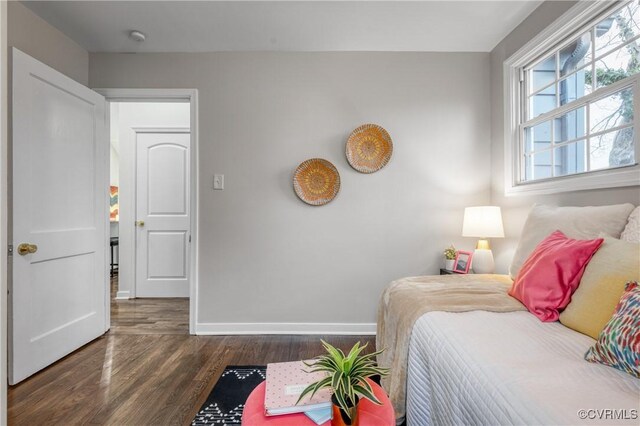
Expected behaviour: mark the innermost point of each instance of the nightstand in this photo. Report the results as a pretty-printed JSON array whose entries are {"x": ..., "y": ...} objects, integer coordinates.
[{"x": 446, "y": 272}]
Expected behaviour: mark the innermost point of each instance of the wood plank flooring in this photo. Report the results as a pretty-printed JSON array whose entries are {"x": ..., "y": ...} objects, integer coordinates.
[
  {"x": 148, "y": 316},
  {"x": 147, "y": 370}
]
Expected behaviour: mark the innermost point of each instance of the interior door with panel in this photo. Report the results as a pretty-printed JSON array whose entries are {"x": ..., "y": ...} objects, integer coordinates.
[
  {"x": 162, "y": 213},
  {"x": 59, "y": 288}
]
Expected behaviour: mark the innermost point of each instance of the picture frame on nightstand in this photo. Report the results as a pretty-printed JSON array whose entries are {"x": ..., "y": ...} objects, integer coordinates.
[{"x": 462, "y": 263}]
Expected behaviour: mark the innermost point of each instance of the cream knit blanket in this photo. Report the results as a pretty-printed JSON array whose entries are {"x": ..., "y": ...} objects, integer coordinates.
[{"x": 407, "y": 299}]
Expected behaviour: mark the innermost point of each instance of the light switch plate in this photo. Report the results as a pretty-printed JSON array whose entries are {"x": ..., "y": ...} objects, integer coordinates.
[{"x": 218, "y": 181}]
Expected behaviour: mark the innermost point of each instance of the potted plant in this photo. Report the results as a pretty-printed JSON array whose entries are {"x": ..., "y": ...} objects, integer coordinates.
[
  {"x": 347, "y": 377},
  {"x": 449, "y": 257}
]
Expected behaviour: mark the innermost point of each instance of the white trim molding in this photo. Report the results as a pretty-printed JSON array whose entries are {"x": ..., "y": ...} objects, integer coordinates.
[
  {"x": 175, "y": 95},
  {"x": 161, "y": 129},
  {"x": 123, "y": 295},
  {"x": 574, "y": 21},
  {"x": 4, "y": 211},
  {"x": 247, "y": 328}
]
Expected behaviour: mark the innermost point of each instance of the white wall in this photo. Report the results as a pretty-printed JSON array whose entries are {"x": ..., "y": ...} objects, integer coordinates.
[
  {"x": 124, "y": 117},
  {"x": 516, "y": 208},
  {"x": 114, "y": 167},
  {"x": 265, "y": 257},
  {"x": 35, "y": 37},
  {"x": 114, "y": 138}
]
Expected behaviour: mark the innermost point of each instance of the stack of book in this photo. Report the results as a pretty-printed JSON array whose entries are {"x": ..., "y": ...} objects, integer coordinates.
[{"x": 285, "y": 383}]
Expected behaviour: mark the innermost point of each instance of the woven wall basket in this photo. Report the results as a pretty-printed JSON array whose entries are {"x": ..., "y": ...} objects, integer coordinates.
[
  {"x": 369, "y": 148},
  {"x": 316, "y": 181}
]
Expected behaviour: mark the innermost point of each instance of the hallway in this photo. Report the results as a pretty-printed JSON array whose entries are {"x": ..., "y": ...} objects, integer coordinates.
[{"x": 148, "y": 316}]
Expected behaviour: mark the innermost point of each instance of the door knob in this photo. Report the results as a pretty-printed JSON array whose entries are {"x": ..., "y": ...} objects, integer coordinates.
[
  {"x": 140, "y": 223},
  {"x": 26, "y": 248}
]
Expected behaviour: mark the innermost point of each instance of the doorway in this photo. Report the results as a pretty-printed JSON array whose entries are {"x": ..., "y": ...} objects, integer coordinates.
[
  {"x": 151, "y": 194},
  {"x": 59, "y": 288}
]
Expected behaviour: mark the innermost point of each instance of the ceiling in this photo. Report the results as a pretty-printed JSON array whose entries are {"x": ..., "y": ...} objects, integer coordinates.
[{"x": 315, "y": 26}]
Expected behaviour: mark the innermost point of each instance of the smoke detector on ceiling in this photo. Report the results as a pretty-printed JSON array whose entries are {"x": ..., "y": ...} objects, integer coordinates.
[{"x": 137, "y": 36}]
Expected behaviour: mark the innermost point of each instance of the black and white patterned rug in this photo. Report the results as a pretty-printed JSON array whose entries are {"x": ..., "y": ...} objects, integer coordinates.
[{"x": 225, "y": 403}]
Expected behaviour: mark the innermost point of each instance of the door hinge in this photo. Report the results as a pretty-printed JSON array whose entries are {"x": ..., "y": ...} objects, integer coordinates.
[
  {"x": 521, "y": 76},
  {"x": 10, "y": 249},
  {"x": 189, "y": 237}
]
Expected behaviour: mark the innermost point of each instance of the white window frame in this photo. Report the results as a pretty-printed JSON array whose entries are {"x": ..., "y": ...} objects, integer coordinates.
[{"x": 575, "y": 21}]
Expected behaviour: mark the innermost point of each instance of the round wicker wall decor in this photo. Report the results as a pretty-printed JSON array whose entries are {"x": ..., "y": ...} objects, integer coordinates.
[
  {"x": 369, "y": 148},
  {"x": 316, "y": 181}
]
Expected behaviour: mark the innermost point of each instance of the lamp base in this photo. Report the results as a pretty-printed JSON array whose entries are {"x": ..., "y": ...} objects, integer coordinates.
[{"x": 482, "y": 262}]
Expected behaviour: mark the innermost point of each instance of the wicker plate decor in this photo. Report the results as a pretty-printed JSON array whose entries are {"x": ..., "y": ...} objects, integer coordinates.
[
  {"x": 369, "y": 148},
  {"x": 316, "y": 181}
]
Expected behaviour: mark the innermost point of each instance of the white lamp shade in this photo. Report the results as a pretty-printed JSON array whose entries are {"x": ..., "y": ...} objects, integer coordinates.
[{"x": 482, "y": 222}]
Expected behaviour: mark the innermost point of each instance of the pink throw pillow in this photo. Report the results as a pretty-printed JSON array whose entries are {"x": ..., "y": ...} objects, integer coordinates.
[{"x": 552, "y": 273}]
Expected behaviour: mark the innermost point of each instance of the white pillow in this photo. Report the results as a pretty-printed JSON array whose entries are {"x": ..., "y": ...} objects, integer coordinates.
[
  {"x": 575, "y": 222},
  {"x": 631, "y": 232}
]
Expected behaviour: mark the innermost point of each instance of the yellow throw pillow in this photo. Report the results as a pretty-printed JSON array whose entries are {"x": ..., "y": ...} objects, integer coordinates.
[{"x": 594, "y": 302}]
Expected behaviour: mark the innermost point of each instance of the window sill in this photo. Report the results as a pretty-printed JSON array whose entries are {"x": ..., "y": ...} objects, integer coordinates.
[{"x": 613, "y": 178}]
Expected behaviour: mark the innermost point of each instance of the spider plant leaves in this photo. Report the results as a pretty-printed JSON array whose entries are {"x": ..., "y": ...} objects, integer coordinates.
[
  {"x": 367, "y": 393},
  {"x": 321, "y": 384},
  {"x": 355, "y": 351},
  {"x": 342, "y": 403},
  {"x": 347, "y": 388},
  {"x": 347, "y": 375},
  {"x": 305, "y": 392},
  {"x": 326, "y": 362},
  {"x": 313, "y": 388},
  {"x": 352, "y": 357},
  {"x": 337, "y": 354},
  {"x": 335, "y": 380},
  {"x": 372, "y": 355}
]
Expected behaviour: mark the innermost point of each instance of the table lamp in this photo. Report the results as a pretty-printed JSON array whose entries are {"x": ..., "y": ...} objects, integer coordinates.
[{"x": 482, "y": 222}]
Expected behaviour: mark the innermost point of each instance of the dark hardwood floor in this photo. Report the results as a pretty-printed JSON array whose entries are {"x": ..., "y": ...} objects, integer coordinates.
[
  {"x": 147, "y": 370},
  {"x": 148, "y": 316}
]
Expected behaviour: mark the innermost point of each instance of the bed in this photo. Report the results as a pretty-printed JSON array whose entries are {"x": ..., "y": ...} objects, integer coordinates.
[
  {"x": 462, "y": 351},
  {"x": 509, "y": 368}
]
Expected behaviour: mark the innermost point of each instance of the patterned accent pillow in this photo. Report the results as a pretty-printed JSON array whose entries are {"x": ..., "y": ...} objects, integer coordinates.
[{"x": 619, "y": 343}]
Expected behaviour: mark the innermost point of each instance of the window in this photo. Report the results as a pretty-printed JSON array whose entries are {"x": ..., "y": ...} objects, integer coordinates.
[{"x": 573, "y": 102}]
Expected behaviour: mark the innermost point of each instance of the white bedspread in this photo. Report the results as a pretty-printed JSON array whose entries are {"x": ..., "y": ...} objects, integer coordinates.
[{"x": 509, "y": 368}]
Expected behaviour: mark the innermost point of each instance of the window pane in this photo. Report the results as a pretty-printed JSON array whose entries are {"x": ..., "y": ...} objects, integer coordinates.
[
  {"x": 617, "y": 29},
  {"x": 575, "y": 55},
  {"x": 575, "y": 86},
  {"x": 612, "y": 111},
  {"x": 542, "y": 102},
  {"x": 570, "y": 126},
  {"x": 612, "y": 149},
  {"x": 570, "y": 159},
  {"x": 538, "y": 137},
  {"x": 618, "y": 65},
  {"x": 542, "y": 165},
  {"x": 543, "y": 74}
]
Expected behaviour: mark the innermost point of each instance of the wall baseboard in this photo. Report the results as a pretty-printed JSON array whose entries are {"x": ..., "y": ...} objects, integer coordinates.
[
  {"x": 228, "y": 328},
  {"x": 121, "y": 295}
]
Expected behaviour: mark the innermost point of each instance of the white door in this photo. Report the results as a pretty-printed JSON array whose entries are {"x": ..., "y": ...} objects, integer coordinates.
[
  {"x": 60, "y": 208},
  {"x": 162, "y": 213}
]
